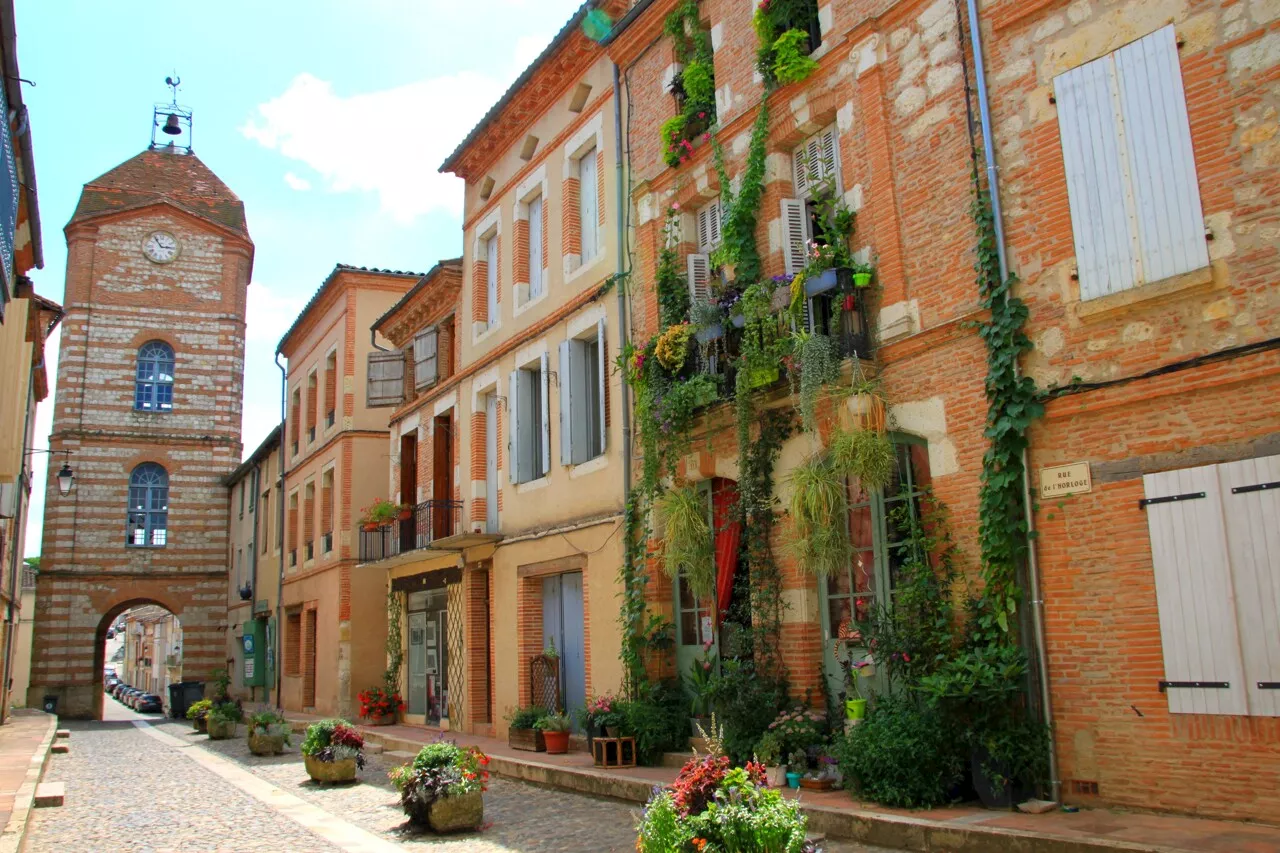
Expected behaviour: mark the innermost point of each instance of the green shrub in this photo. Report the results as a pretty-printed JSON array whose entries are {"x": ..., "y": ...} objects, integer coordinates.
[
  {"x": 435, "y": 755},
  {"x": 525, "y": 717},
  {"x": 902, "y": 755},
  {"x": 661, "y": 828},
  {"x": 790, "y": 63},
  {"x": 659, "y": 721},
  {"x": 227, "y": 712},
  {"x": 199, "y": 710},
  {"x": 745, "y": 702},
  {"x": 672, "y": 138},
  {"x": 745, "y": 817},
  {"x": 699, "y": 85}
]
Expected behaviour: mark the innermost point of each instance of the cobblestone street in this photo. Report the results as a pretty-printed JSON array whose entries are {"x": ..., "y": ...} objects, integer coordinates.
[{"x": 172, "y": 790}]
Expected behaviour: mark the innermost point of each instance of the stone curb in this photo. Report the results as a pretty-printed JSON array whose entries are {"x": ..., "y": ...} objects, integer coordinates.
[
  {"x": 23, "y": 799},
  {"x": 900, "y": 832}
]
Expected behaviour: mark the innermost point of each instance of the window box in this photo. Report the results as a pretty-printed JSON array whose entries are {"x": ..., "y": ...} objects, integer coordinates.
[
  {"x": 841, "y": 277},
  {"x": 711, "y": 333}
]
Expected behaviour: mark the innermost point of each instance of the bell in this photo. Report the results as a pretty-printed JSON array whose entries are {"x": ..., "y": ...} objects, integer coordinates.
[{"x": 171, "y": 126}]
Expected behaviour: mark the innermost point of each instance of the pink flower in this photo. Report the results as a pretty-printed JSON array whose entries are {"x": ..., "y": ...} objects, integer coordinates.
[
  {"x": 675, "y": 205},
  {"x": 702, "y": 115},
  {"x": 906, "y": 657},
  {"x": 706, "y": 137},
  {"x": 706, "y": 666}
]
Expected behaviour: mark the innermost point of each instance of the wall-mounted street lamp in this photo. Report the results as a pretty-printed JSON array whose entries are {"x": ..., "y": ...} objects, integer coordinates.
[{"x": 66, "y": 477}]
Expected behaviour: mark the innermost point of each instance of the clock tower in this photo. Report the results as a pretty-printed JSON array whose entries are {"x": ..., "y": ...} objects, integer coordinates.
[{"x": 148, "y": 407}]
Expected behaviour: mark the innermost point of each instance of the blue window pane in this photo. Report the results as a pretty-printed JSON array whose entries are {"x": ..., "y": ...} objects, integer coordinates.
[
  {"x": 147, "y": 518},
  {"x": 153, "y": 390}
]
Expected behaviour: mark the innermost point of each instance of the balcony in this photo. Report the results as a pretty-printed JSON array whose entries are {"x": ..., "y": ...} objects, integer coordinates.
[{"x": 428, "y": 524}]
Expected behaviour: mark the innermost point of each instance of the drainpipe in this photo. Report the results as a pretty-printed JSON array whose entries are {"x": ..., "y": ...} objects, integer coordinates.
[
  {"x": 253, "y": 560},
  {"x": 1033, "y": 562},
  {"x": 622, "y": 294},
  {"x": 279, "y": 638}
]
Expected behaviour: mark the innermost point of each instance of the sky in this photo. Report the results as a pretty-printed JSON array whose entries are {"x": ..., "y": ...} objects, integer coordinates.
[{"x": 329, "y": 118}]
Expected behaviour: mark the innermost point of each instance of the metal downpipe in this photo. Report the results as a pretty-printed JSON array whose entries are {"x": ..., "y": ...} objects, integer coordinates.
[{"x": 279, "y": 637}]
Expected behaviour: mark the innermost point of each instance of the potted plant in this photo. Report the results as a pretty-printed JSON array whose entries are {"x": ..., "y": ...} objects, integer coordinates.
[
  {"x": 268, "y": 733},
  {"x": 406, "y": 512},
  {"x": 769, "y": 754},
  {"x": 555, "y": 732},
  {"x": 599, "y": 714},
  {"x": 222, "y": 720},
  {"x": 797, "y": 765},
  {"x": 523, "y": 731},
  {"x": 378, "y": 513},
  {"x": 442, "y": 789},
  {"x": 699, "y": 681},
  {"x": 861, "y": 274},
  {"x": 198, "y": 714},
  {"x": 379, "y": 705},
  {"x": 332, "y": 751}
]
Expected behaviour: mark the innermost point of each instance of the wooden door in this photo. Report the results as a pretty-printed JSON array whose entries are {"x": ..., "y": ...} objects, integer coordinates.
[{"x": 408, "y": 487}]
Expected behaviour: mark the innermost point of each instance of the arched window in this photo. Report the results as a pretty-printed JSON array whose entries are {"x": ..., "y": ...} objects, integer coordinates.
[
  {"x": 153, "y": 390},
  {"x": 148, "y": 523}
]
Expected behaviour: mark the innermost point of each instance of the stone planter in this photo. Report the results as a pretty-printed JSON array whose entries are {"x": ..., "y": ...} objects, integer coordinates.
[
  {"x": 221, "y": 730},
  {"x": 265, "y": 744},
  {"x": 330, "y": 772},
  {"x": 457, "y": 814},
  {"x": 526, "y": 739},
  {"x": 381, "y": 720},
  {"x": 776, "y": 775},
  {"x": 201, "y": 725}
]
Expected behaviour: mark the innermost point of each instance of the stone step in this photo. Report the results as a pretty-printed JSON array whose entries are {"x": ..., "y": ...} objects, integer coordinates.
[
  {"x": 401, "y": 755},
  {"x": 372, "y": 748},
  {"x": 60, "y": 748},
  {"x": 50, "y": 795},
  {"x": 62, "y": 733},
  {"x": 676, "y": 759}
]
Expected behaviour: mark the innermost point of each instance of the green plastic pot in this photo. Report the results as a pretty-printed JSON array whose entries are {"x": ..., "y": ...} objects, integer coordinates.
[
  {"x": 855, "y": 709},
  {"x": 793, "y": 779},
  {"x": 861, "y": 279}
]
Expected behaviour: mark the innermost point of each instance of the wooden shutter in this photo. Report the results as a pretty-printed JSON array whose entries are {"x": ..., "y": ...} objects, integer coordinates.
[
  {"x": 535, "y": 248},
  {"x": 793, "y": 242},
  {"x": 513, "y": 428},
  {"x": 603, "y": 372},
  {"x": 588, "y": 205},
  {"x": 829, "y": 156},
  {"x": 1131, "y": 178},
  {"x": 1253, "y": 541},
  {"x": 568, "y": 373},
  {"x": 425, "y": 361},
  {"x": 709, "y": 227},
  {"x": 385, "y": 379},
  {"x": 491, "y": 280},
  {"x": 699, "y": 274},
  {"x": 816, "y": 160},
  {"x": 546, "y": 415},
  {"x": 1194, "y": 592}
]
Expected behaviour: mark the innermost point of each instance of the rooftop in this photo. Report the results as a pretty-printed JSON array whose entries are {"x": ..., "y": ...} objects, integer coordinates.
[
  {"x": 416, "y": 289},
  {"x": 324, "y": 286}
]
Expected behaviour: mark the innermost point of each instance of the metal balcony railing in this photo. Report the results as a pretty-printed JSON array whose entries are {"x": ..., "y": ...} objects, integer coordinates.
[{"x": 429, "y": 522}]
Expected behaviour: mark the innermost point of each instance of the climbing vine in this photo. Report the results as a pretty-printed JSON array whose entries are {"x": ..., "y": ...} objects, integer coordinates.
[
  {"x": 395, "y": 654},
  {"x": 1012, "y": 406},
  {"x": 694, "y": 85}
]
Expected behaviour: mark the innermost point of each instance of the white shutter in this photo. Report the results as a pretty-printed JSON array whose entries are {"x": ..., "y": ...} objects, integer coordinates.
[
  {"x": 546, "y": 416},
  {"x": 491, "y": 283},
  {"x": 699, "y": 274},
  {"x": 709, "y": 227},
  {"x": 425, "y": 361},
  {"x": 602, "y": 363},
  {"x": 535, "y": 248},
  {"x": 567, "y": 374},
  {"x": 1194, "y": 592},
  {"x": 588, "y": 204},
  {"x": 800, "y": 169},
  {"x": 1131, "y": 177},
  {"x": 829, "y": 156},
  {"x": 513, "y": 428},
  {"x": 580, "y": 447},
  {"x": 384, "y": 384},
  {"x": 1253, "y": 541},
  {"x": 793, "y": 241}
]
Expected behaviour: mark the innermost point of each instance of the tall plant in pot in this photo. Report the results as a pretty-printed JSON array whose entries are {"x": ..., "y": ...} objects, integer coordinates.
[
  {"x": 333, "y": 750},
  {"x": 699, "y": 680},
  {"x": 555, "y": 732},
  {"x": 442, "y": 789},
  {"x": 268, "y": 733},
  {"x": 198, "y": 714},
  {"x": 380, "y": 706},
  {"x": 223, "y": 719}
]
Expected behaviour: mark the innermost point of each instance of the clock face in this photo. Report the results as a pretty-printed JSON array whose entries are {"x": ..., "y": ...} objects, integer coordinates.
[{"x": 160, "y": 247}]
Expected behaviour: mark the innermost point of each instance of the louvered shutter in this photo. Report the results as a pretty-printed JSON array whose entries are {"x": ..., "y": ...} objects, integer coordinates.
[
  {"x": 1131, "y": 177},
  {"x": 793, "y": 245},
  {"x": 829, "y": 154},
  {"x": 491, "y": 280},
  {"x": 535, "y": 248},
  {"x": 425, "y": 361},
  {"x": 709, "y": 227},
  {"x": 603, "y": 374},
  {"x": 1194, "y": 592},
  {"x": 699, "y": 274},
  {"x": 568, "y": 371},
  {"x": 385, "y": 378},
  {"x": 801, "y": 169},
  {"x": 546, "y": 416},
  {"x": 588, "y": 205},
  {"x": 1253, "y": 542},
  {"x": 513, "y": 428}
]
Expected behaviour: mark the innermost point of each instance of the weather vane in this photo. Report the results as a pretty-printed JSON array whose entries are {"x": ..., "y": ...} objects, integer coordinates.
[
  {"x": 173, "y": 83},
  {"x": 171, "y": 119}
]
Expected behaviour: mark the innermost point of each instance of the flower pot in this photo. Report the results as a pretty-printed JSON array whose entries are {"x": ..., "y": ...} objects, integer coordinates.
[
  {"x": 710, "y": 333},
  {"x": 861, "y": 279},
  {"x": 738, "y": 320},
  {"x": 699, "y": 726},
  {"x": 462, "y": 813},
  {"x": 557, "y": 742},
  {"x": 329, "y": 772},
  {"x": 530, "y": 740},
  {"x": 221, "y": 730},
  {"x": 201, "y": 725},
  {"x": 828, "y": 280},
  {"x": 265, "y": 744},
  {"x": 855, "y": 709},
  {"x": 370, "y": 526},
  {"x": 381, "y": 719},
  {"x": 793, "y": 779},
  {"x": 819, "y": 784},
  {"x": 869, "y": 409},
  {"x": 611, "y": 731},
  {"x": 406, "y": 514},
  {"x": 776, "y": 775}
]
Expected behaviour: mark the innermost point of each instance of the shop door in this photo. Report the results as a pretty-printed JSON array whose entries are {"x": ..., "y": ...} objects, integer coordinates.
[
  {"x": 417, "y": 663},
  {"x": 562, "y": 625}
]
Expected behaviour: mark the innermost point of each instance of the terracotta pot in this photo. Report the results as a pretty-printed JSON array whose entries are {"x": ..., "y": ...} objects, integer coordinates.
[
  {"x": 329, "y": 772},
  {"x": 264, "y": 744},
  {"x": 816, "y": 784},
  {"x": 457, "y": 814},
  {"x": 406, "y": 514},
  {"x": 220, "y": 730},
  {"x": 370, "y": 526},
  {"x": 557, "y": 742}
]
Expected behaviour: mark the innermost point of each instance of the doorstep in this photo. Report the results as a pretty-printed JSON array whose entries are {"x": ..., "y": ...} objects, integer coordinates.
[
  {"x": 956, "y": 829},
  {"x": 25, "y": 743}
]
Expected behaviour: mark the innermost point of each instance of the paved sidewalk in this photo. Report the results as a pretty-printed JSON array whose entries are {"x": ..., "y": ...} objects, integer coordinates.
[
  {"x": 24, "y": 750},
  {"x": 957, "y": 829}
]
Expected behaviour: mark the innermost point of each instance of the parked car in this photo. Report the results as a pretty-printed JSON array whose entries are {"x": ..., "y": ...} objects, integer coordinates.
[
  {"x": 129, "y": 693},
  {"x": 109, "y": 683},
  {"x": 148, "y": 703},
  {"x": 117, "y": 692}
]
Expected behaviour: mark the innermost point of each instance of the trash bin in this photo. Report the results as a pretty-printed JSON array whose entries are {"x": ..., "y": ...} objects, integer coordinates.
[{"x": 182, "y": 696}]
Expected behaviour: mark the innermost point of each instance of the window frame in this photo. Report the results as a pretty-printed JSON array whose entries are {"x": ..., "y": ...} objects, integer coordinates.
[
  {"x": 589, "y": 224},
  {"x": 141, "y": 512},
  {"x": 150, "y": 390}
]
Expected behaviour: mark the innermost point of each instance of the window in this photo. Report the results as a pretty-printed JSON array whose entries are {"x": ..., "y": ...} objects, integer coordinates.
[
  {"x": 803, "y": 16},
  {"x": 708, "y": 220},
  {"x": 311, "y": 404},
  {"x": 295, "y": 420},
  {"x": 530, "y": 447},
  {"x": 491, "y": 279},
  {"x": 1216, "y": 561},
  {"x": 589, "y": 205},
  {"x": 326, "y": 510},
  {"x": 148, "y": 517},
  {"x": 153, "y": 389},
  {"x": 242, "y": 490},
  {"x": 330, "y": 389},
  {"x": 535, "y": 248},
  {"x": 293, "y": 529},
  {"x": 1131, "y": 172},
  {"x": 253, "y": 490},
  {"x": 308, "y": 521},
  {"x": 426, "y": 367},
  {"x": 293, "y": 643},
  {"x": 266, "y": 520},
  {"x": 582, "y": 397},
  {"x": 385, "y": 385}
]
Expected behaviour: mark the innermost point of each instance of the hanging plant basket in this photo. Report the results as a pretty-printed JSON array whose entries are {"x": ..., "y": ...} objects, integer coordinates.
[
  {"x": 710, "y": 333},
  {"x": 841, "y": 277},
  {"x": 870, "y": 411},
  {"x": 862, "y": 279}
]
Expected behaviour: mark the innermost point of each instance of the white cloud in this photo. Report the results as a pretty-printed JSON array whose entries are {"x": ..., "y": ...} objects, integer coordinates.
[
  {"x": 389, "y": 142},
  {"x": 270, "y": 314},
  {"x": 296, "y": 183}
]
